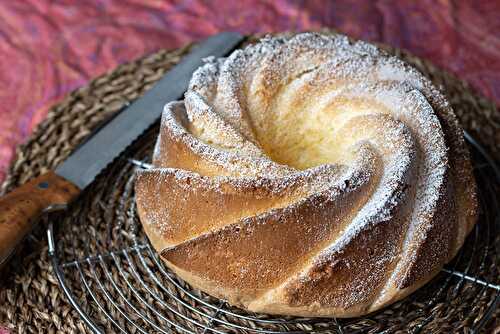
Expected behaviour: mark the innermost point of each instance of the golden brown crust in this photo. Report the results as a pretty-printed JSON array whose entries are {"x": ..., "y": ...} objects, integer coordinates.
[{"x": 308, "y": 176}]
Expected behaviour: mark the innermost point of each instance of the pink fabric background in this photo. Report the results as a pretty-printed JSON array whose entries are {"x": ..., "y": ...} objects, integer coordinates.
[{"x": 49, "y": 48}]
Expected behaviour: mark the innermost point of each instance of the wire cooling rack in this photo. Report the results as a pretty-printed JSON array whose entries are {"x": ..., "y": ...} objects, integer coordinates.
[{"x": 116, "y": 282}]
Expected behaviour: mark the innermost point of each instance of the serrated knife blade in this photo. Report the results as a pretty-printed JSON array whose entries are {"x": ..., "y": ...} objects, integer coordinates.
[
  {"x": 115, "y": 136},
  {"x": 20, "y": 208}
]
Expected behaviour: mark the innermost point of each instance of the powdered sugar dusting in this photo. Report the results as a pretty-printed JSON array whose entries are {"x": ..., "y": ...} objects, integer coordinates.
[{"x": 321, "y": 115}]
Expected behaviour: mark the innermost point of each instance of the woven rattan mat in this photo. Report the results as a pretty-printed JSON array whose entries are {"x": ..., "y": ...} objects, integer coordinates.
[{"x": 30, "y": 297}]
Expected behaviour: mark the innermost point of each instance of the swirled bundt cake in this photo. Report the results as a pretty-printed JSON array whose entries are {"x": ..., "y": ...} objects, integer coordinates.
[{"x": 308, "y": 175}]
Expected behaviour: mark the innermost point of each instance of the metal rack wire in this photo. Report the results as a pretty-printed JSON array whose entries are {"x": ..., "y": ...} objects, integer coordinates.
[{"x": 117, "y": 283}]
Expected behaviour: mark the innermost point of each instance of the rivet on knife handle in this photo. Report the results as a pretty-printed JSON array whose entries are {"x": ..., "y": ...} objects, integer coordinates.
[{"x": 20, "y": 209}]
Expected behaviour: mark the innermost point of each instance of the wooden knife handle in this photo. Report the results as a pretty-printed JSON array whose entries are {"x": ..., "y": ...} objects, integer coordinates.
[{"x": 20, "y": 209}]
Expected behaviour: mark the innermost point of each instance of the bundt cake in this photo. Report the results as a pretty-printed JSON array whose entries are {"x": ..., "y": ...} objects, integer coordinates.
[{"x": 308, "y": 175}]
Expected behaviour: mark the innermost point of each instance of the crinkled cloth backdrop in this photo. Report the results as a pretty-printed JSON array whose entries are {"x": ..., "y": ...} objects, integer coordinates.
[{"x": 50, "y": 48}]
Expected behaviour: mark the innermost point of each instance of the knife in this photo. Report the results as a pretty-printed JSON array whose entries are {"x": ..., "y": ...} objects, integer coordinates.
[{"x": 54, "y": 190}]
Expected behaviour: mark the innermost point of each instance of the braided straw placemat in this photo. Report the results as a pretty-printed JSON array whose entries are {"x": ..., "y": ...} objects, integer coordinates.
[{"x": 31, "y": 300}]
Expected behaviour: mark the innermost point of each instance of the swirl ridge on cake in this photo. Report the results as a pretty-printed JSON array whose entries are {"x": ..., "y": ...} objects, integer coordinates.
[{"x": 308, "y": 175}]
